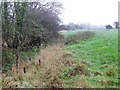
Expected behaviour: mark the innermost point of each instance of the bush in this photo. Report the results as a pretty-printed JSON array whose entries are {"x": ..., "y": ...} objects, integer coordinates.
[
  {"x": 8, "y": 58},
  {"x": 78, "y": 37}
]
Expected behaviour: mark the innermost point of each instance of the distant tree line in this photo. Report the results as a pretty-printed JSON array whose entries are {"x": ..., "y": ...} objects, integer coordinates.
[
  {"x": 83, "y": 26},
  {"x": 72, "y": 26}
]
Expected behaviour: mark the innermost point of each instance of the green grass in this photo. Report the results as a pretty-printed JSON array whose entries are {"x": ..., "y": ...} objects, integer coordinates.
[{"x": 101, "y": 52}]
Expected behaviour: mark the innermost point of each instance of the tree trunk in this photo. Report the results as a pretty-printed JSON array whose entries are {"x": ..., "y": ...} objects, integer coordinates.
[{"x": 17, "y": 59}]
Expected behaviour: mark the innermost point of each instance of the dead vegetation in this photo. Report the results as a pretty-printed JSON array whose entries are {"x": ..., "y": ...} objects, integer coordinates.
[
  {"x": 45, "y": 70},
  {"x": 78, "y": 70}
]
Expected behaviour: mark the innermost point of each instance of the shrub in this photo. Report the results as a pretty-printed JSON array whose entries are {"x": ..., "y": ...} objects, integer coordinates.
[{"x": 78, "y": 37}]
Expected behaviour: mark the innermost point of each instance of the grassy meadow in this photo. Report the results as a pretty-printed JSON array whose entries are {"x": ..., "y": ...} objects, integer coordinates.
[
  {"x": 88, "y": 59},
  {"x": 100, "y": 53}
]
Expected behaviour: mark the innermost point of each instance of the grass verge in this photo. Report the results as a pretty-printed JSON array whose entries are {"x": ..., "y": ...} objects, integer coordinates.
[{"x": 101, "y": 54}]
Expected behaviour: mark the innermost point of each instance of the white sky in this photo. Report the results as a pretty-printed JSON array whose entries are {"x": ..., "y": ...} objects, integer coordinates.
[{"x": 95, "y": 12}]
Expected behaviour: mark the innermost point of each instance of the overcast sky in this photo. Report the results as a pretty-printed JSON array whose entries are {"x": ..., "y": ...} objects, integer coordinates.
[{"x": 95, "y": 12}]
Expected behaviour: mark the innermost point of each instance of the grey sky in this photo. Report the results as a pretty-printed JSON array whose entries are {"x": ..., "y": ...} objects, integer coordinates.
[{"x": 96, "y": 12}]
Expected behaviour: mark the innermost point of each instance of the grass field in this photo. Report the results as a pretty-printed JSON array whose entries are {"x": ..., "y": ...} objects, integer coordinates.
[
  {"x": 101, "y": 55},
  {"x": 90, "y": 61}
]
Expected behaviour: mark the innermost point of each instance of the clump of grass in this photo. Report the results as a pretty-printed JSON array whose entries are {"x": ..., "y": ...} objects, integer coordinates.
[
  {"x": 79, "y": 69},
  {"x": 54, "y": 82}
]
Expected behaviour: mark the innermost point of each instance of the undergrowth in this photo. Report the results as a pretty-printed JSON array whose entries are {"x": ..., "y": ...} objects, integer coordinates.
[{"x": 8, "y": 57}]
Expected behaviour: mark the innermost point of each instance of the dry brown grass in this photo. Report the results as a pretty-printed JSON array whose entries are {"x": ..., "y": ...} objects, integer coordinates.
[
  {"x": 52, "y": 62},
  {"x": 47, "y": 74},
  {"x": 0, "y": 81}
]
